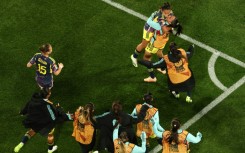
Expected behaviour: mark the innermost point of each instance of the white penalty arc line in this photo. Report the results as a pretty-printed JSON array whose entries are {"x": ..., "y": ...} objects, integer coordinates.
[
  {"x": 201, "y": 45},
  {"x": 211, "y": 71},
  {"x": 206, "y": 109},
  {"x": 185, "y": 37}
]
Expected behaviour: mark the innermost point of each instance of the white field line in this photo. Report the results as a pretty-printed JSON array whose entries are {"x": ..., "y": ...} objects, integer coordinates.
[
  {"x": 216, "y": 53},
  {"x": 185, "y": 37},
  {"x": 211, "y": 71},
  {"x": 215, "y": 102},
  {"x": 206, "y": 109}
]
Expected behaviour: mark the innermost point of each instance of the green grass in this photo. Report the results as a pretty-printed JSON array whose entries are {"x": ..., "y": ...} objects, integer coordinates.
[{"x": 94, "y": 41}]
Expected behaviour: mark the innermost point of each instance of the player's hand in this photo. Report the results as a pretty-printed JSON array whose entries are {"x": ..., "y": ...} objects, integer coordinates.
[
  {"x": 61, "y": 65},
  {"x": 199, "y": 134},
  {"x": 70, "y": 116},
  {"x": 143, "y": 136}
]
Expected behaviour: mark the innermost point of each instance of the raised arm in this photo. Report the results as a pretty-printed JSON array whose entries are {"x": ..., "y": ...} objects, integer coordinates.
[
  {"x": 156, "y": 119},
  {"x": 190, "y": 51},
  {"x": 32, "y": 61},
  {"x": 155, "y": 129},
  {"x": 194, "y": 139},
  {"x": 134, "y": 113},
  {"x": 115, "y": 131},
  {"x": 142, "y": 149},
  {"x": 57, "y": 72}
]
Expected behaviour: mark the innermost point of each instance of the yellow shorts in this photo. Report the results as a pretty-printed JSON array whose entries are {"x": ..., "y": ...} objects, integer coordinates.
[
  {"x": 151, "y": 49},
  {"x": 147, "y": 35}
]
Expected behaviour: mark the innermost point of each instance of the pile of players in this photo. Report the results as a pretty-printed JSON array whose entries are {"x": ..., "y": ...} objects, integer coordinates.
[{"x": 115, "y": 127}]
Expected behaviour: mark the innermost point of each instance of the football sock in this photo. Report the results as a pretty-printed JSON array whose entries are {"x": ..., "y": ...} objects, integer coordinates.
[
  {"x": 152, "y": 75},
  {"x": 25, "y": 138},
  {"x": 136, "y": 53},
  {"x": 50, "y": 147}
]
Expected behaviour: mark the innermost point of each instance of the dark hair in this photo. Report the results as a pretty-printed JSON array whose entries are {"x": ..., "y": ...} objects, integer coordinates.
[
  {"x": 166, "y": 6},
  {"x": 173, "y": 49},
  {"x": 175, "y": 124},
  {"x": 116, "y": 107},
  {"x": 176, "y": 53},
  {"x": 90, "y": 106},
  {"x": 44, "y": 92},
  {"x": 45, "y": 48},
  {"x": 122, "y": 139},
  {"x": 175, "y": 24},
  {"x": 148, "y": 97}
]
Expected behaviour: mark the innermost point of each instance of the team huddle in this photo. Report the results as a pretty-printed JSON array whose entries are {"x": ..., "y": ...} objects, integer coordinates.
[{"x": 114, "y": 131}]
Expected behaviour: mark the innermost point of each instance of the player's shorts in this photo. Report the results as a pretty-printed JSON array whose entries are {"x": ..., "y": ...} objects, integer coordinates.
[
  {"x": 147, "y": 35},
  {"x": 151, "y": 49},
  {"x": 43, "y": 84}
]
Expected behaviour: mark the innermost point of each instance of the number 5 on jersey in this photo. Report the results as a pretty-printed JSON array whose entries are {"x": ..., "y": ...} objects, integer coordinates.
[{"x": 42, "y": 69}]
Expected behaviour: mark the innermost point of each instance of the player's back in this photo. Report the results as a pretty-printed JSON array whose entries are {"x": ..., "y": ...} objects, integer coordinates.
[{"x": 44, "y": 66}]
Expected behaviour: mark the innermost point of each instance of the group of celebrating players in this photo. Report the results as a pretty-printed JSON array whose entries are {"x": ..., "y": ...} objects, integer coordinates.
[{"x": 116, "y": 126}]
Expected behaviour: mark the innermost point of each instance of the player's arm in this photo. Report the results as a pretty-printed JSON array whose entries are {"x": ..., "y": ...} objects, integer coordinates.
[
  {"x": 115, "y": 131},
  {"x": 156, "y": 119},
  {"x": 155, "y": 129},
  {"x": 140, "y": 116},
  {"x": 142, "y": 149},
  {"x": 134, "y": 113},
  {"x": 154, "y": 24},
  {"x": 24, "y": 110},
  {"x": 193, "y": 139},
  {"x": 57, "y": 70},
  {"x": 149, "y": 64},
  {"x": 31, "y": 62},
  {"x": 190, "y": 51}
]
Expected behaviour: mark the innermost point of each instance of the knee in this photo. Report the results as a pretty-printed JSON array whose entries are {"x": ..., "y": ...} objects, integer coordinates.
[
  {"x": 147, "y": 57},
  {"x": 50, "y": 139},
  {"x": 30, "y": 133}
]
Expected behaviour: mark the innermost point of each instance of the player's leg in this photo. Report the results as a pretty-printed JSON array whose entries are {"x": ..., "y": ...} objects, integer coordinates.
[
  {"x": 160, "y": 56},
  {"x": 25, "y": 138},
  {"x": 147, "y": 35},
  {"x": 39, "y": 83},
  {"x": 188, "y": 97},
  {"x": 151, "y": 78},
  {"x": 51, "y": 146}
]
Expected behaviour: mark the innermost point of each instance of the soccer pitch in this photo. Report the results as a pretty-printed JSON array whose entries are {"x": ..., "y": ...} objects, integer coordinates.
[
  {"x": 211, "y": 70},
  {"x": 94, "y": 40}
]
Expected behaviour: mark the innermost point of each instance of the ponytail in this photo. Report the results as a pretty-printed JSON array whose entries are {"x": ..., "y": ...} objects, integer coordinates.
[
  {"x": 174, "y": 131},
  {"x": 175, "y": 24},
  {"x": 123, "y": 138}
]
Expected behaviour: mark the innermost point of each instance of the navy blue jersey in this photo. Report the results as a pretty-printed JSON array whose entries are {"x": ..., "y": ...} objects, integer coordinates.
[{"x": 45, "y": 66}]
